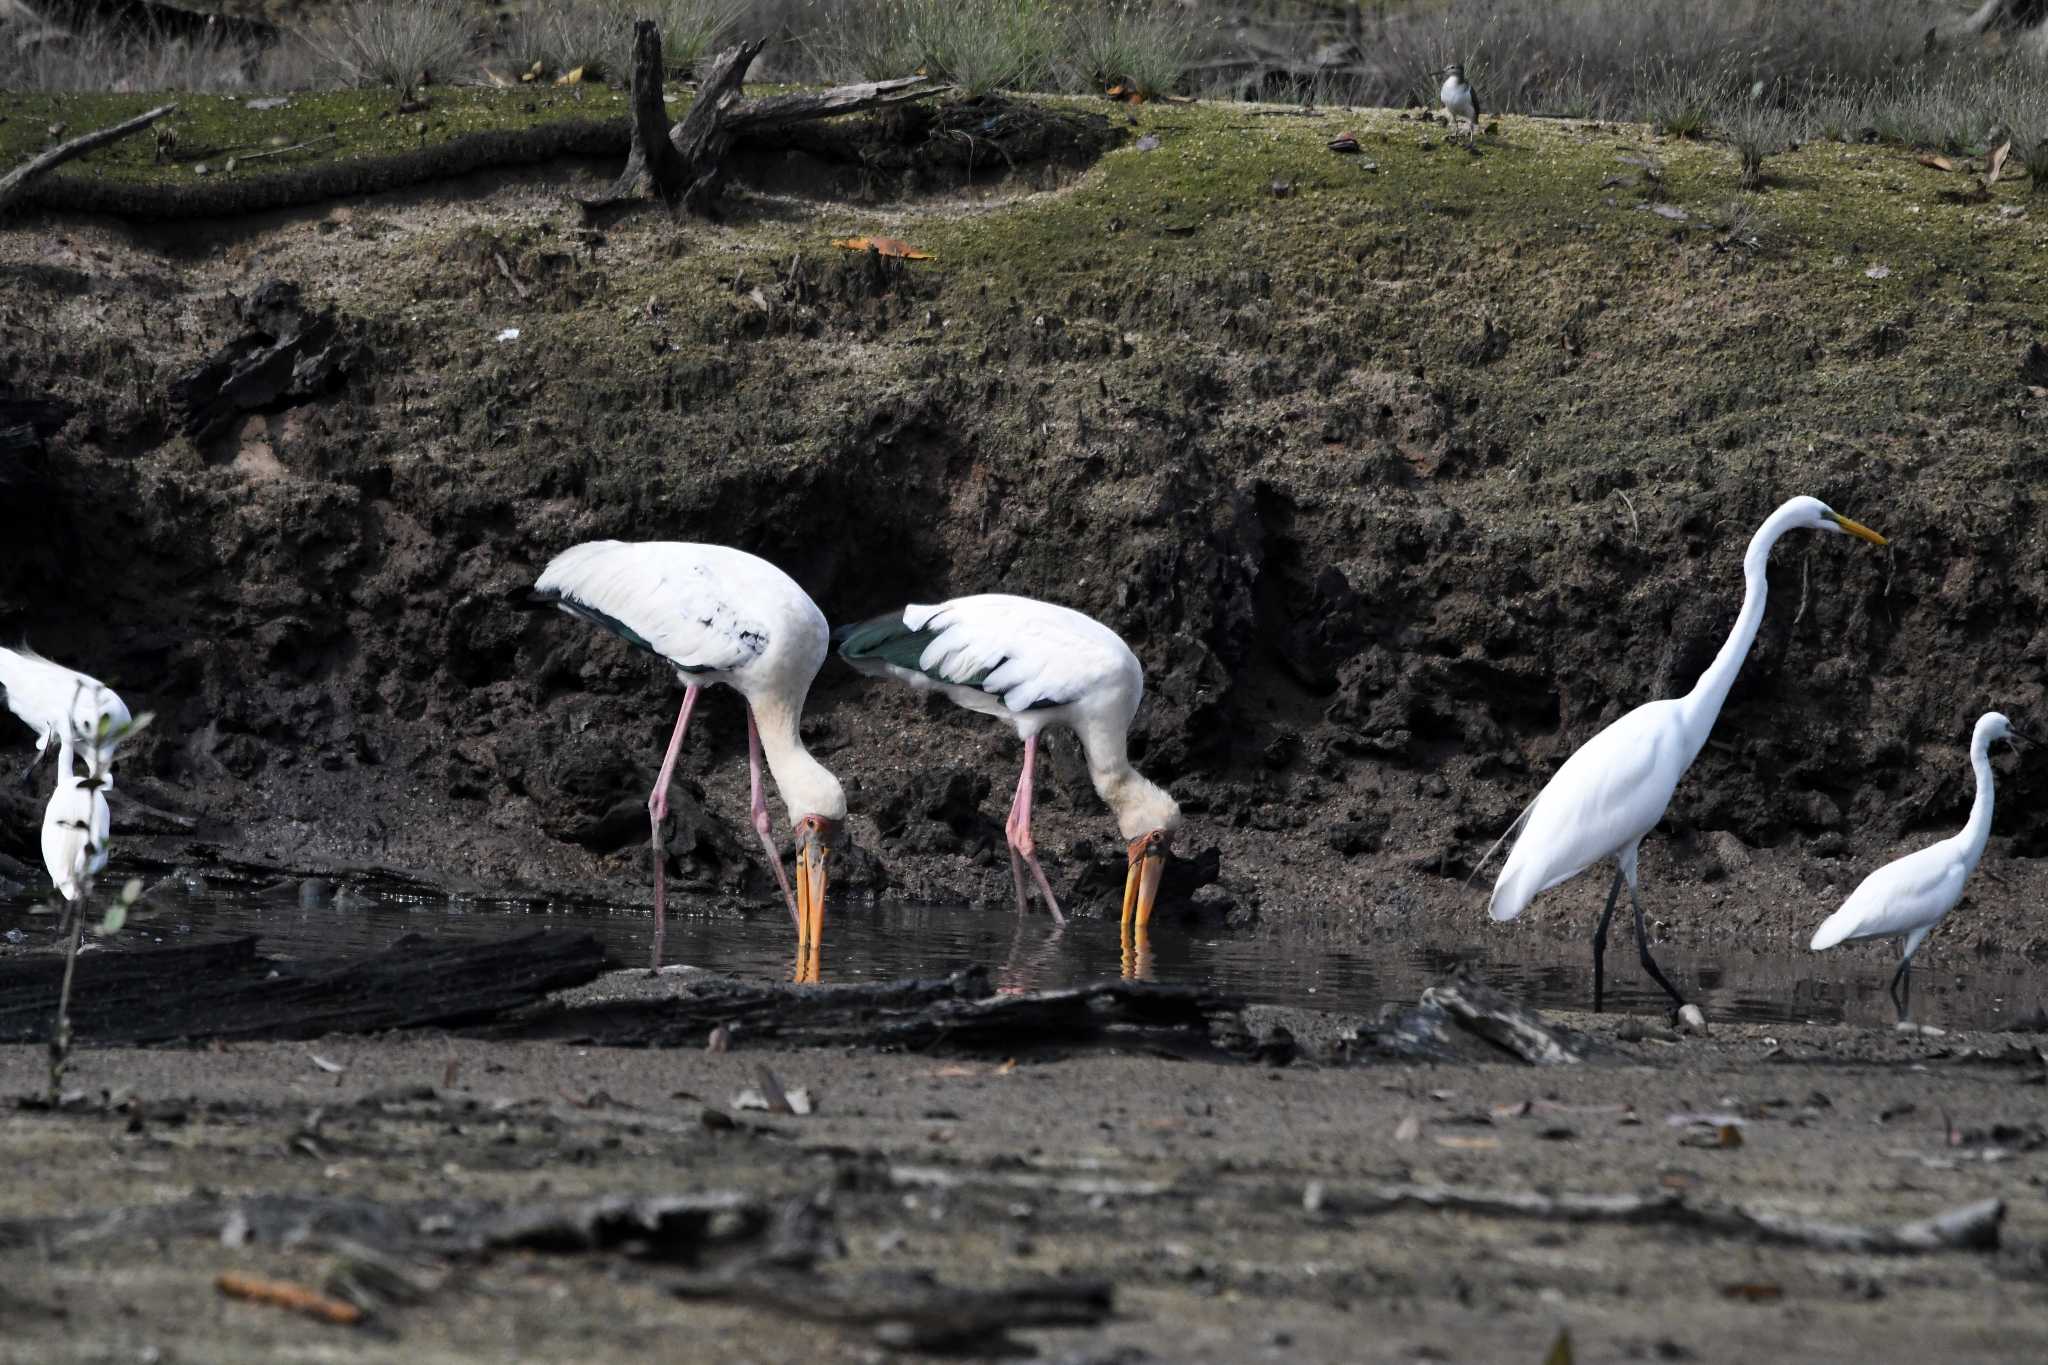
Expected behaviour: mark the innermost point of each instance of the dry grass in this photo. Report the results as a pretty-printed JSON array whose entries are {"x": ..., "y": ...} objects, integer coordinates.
[{"x": 397, "y": 42}]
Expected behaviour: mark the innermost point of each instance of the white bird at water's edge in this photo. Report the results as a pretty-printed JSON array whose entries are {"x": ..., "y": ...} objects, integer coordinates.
[
  {"x": 1615, "y": 787},
  {"x": 1035, "y": 665},
  {"x": 1913, "y": 894},
  {"x": 718, "y": 615},
  {"x": 76, "y": 824},
  {"x": 53, "y": 701}
]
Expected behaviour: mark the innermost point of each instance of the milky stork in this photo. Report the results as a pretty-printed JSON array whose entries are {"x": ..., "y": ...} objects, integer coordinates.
[
  {"x": 1035, "y": 665},
  {"x": 718, "y": 615},
  {"x": 53, "y": 701}
]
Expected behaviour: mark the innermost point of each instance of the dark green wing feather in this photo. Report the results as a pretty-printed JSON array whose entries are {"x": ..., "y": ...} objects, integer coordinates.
[{"x": 886, "y": 640}]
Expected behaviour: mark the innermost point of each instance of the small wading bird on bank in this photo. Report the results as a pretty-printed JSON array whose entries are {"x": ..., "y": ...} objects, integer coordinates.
[
  {"x": 1460, "y": 100},
  {"x": 1912, "y": 895},
  {"x": 54, "y": 701},
  {"x": 718, "y": 615},
  {"x": 1035, "y": 665},
  {"x": 1613, "y": 790}
]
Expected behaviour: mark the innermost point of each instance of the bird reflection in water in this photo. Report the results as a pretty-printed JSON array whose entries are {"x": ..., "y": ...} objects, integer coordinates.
[
  {"x": 807, "y": 969},
  {"x": 1137, "y": 953},
  {"x": 1029, "y": 965}
]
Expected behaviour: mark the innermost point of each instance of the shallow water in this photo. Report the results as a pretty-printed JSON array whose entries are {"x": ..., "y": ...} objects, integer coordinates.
[{"x": 868, "y": 943}]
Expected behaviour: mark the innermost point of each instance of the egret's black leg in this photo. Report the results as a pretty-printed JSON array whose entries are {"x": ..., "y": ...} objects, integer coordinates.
[
  {"x": 1643, "y": 948},
  {"x": 1901, "y": 989},
  {"x": 1600, "y": 943}
]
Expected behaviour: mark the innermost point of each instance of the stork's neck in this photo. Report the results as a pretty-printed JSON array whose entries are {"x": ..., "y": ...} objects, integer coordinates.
[
  {"x": 1702, "y": 705},
  {"x": 807, "y": 786},
  {"x": 1977, "y": 829},
  {"x": 1140, "y": 805}
]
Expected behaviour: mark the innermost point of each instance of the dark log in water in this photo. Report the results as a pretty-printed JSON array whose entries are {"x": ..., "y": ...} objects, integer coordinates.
[
  {"x": 960, "y": 1011},
  {"x": 224, "y": 990}
]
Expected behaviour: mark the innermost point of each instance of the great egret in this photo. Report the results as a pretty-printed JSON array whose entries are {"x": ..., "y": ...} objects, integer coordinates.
[
  {"x": 51, "y": 699},
  {"x": 75, "y": 823},
  {"x": 719, "y": 615},
  {"x": 1614, "y": 789},
  {"x": 1912, "y": 895},
  {"x": 1035, "y": 665}
]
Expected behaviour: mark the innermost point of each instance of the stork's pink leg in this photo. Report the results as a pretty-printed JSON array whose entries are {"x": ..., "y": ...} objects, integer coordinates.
[
  {"x": 1010, "y": 838},
  {"x": 1020, "y": 831},
  {"x": 657, "y": 811},
  {"x": 762, "y": 825}
]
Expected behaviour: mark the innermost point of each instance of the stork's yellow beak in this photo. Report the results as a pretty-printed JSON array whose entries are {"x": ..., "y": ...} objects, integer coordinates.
[
  {"x": 813, "y": 855},
  {"x": 1147, "y": 854},
  {"x": 1857, "y": 528}
]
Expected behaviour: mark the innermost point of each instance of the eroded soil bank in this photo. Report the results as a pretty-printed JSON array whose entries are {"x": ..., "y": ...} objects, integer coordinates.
[
  {"x": 1402, "y": 472},
  {"x": 1184, "y": 1184}
]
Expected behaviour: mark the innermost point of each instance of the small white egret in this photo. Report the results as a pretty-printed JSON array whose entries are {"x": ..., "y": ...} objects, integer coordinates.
[
  {"x": 719, "y": 615},
  {"x": 1035, "y": 665},
  {"x": 1615, "y": 787},
  {"x": 1912, "y": 895},
  {"x": 51, "y": 699},
  {"x": 75, "y": 824}
]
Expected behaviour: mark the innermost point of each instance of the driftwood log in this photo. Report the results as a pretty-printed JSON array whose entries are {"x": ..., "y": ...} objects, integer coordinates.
[
  {"x": 224, "y": 990},
  {"x": 960, "y": 1012},
  {"x": 12, "y": 183}
]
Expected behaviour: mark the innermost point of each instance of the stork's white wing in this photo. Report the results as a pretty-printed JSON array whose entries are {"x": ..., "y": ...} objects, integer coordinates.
[
  {"x": 43, "y": 694},
  {"x": 695, "y": 605},
  {"x": 1030, "y": 654}
]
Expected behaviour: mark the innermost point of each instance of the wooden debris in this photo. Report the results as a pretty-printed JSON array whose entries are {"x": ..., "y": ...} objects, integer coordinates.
[
  {"x": 12, "y": 183},
  {"x": 224, "y": 990},
  {"x": 1494, "y": 1017},
  {"x": 1968, "y": 1227},
  {"x": 959, "y": 1012},
  {"x": 667, "y": 1228},
  {"x": 651, "y": 159},
  {"x": 298, "y": 1298}
]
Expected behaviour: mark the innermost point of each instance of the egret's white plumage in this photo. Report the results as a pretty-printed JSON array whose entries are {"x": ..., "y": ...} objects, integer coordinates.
[
  {"x": 1614, "y": 789},
  {"x": 1912, "y": 895},
  {"x": 719, "y": 615},
  {"x": 75, "y": 825},
  {"x": 51, "y": 699},
  {"x": 1034, "y": 665}
]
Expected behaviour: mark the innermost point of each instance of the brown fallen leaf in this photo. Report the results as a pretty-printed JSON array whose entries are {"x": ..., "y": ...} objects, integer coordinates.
[
  {"x": 1408, "y": 1129},
  {"x": 532, "y": 73},
  {"x": 1344, "y": 143},
  {"x": 1937, "y": 163},
  {"x": 1998, "y": 156},
  {"x": 1007, "y": 1067},
  {"x": 719, "y": 1041},
  {"x": 571, "y": 77},
  {"x": 284, "y": 1294},
  {"x": 883, "y": 246},
  {"x": 1753, "y": 1292},
  {"x": 1129, "y": 94}
]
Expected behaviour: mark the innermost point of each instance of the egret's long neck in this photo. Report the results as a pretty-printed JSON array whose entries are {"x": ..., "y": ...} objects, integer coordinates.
[
  {"x": 807, "y": 786},
  {"x": 1702, "y": 705},
  {"x": 1977, "y": 829}
]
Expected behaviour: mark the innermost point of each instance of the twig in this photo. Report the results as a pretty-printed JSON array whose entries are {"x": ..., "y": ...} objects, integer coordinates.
[
  {"x": 1805, "y": 563},
  {"x": 284, "y": 1294},
  {"x": 296, "y": 147},
  {"x": 17, "y": 179},
  {"x": 1635, "y": 526}
]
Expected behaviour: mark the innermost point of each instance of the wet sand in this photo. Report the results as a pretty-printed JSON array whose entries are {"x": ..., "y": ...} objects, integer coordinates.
[{"x": 1181, "y": 1182}]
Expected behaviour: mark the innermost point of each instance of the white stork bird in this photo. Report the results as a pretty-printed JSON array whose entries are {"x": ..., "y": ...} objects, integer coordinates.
[
  {"x": 53, "y": 700},
  {"x": 718, "y": 615},
  {"x": 1035, "y": 665},
  {"x": 1913, "y": 894},
  {"x": 1613, "y": 790},
  {"x": 75, "y": 824}
]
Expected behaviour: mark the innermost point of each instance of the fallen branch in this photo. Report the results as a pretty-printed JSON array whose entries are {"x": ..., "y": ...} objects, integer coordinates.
[
  {"x": 14, "y": 181},
  {"x": 1968, "y": 1227},
  {"x": 748, "y": 117},
  {"x": 1499, "y": 1020}
]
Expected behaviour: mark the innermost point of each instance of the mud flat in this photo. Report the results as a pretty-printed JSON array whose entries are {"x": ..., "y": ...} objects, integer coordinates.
[{"x": 1668, "y": 1198}]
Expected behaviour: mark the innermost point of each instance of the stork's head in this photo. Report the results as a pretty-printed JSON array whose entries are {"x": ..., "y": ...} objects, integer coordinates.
[
  {"x": 817, "y": 812},
  {"x": 1148, "y": 817}
]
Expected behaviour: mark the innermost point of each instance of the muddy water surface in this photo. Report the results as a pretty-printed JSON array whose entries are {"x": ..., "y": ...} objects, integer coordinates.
[{"x": 866, "y": 943}]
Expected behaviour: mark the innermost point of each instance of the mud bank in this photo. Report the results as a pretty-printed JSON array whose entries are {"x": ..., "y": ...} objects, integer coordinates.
[
  {"x": 1402, "y": 473},
  {"x": 1229, "y": 1207}
]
